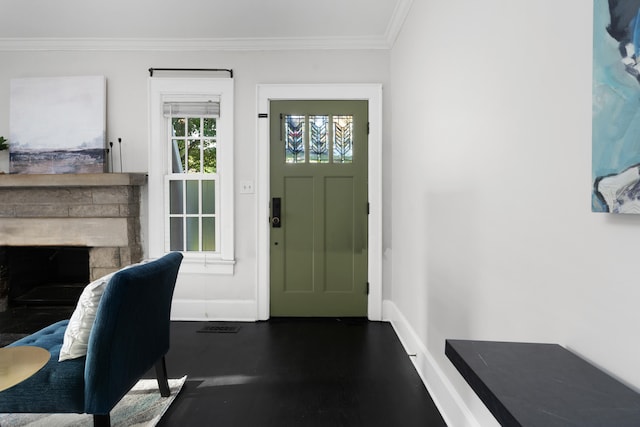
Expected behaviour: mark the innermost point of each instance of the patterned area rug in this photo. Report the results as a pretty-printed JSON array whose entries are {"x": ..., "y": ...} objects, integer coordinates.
[{"x": 142, "y": 406}]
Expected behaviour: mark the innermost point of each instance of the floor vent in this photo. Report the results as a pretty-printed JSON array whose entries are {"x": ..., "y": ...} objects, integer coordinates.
[{"x": 219, "y": 329}]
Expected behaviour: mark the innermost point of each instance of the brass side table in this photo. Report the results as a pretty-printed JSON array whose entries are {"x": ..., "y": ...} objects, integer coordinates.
[{"x": 19, "y": 363}]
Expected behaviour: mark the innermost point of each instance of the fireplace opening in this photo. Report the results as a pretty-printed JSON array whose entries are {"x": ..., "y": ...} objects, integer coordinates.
[{"x": 46, "y": 275}]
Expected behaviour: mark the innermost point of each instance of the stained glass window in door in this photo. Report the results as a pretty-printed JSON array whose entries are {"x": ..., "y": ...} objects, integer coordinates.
[
  {"x": 294, "y": 130},
  {"x": 342, "y": 139},
  {"x": 318, "y": 139}
]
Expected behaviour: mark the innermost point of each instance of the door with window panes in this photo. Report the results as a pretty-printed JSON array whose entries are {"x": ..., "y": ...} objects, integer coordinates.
[
  {"x": 193, "y": 182},
  {"x": 319, "y": 209}
]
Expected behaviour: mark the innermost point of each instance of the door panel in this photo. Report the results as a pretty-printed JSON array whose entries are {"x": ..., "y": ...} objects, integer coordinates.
[
  {"x": 298, "y": 234},
  {"x": 319, "y": 172},
  {"x": 339, "y": 234}
]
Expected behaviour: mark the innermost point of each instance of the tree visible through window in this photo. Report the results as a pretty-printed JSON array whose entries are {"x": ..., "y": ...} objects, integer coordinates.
[
  {"x": 194, "y": 142},
  {"x": 192, "y": 184}
]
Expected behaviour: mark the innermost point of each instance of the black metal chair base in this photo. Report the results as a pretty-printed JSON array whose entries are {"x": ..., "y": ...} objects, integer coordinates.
[
  {"x": 101, "y": 420},
  {"x": 161, "y": 374}
]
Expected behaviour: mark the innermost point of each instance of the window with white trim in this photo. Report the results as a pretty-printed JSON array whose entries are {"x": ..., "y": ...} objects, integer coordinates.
[
  {"x": 192, "y": 178},
  {"x": 191, "y": 171}
]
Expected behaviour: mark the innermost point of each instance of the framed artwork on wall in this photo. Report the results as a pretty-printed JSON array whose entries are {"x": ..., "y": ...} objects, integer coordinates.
[
  {"x": 616, "y": 107},
  {"x": 57, "y": 125}
]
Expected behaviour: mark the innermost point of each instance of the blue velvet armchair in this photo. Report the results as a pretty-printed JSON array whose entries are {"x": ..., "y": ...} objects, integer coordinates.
[{"x": 130, "y": 335}]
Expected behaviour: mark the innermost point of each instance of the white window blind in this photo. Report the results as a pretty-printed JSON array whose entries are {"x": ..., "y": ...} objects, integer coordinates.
[{"x": 192, "y": 109}]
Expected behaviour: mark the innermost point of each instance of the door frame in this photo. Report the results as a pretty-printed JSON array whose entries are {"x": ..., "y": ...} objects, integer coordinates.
[{"x": 369, "y": 92}]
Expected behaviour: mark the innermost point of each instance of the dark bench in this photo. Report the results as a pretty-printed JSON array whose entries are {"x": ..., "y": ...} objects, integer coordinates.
[{"x": 543, "y": 385}]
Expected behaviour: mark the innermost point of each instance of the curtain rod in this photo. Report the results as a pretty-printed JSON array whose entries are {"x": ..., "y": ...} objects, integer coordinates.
[{"x": 228, "y": 70}]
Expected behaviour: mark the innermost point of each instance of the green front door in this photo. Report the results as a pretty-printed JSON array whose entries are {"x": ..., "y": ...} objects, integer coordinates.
[{"x": 318, "y": 208}]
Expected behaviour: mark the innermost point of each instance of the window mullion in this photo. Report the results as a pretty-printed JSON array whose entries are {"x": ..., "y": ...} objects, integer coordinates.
[
  {"x": 202, "y": 145},
  {"x": 332, "y": 139},
  {"x": 185, "y": 160},
  {"x": 200, "y": 234},
  {"x": 306, "y": 138},
  {"x": 201, "y": 153},
  {"x": 216, "y": 213},
  {"x": 184, "y": 213}
]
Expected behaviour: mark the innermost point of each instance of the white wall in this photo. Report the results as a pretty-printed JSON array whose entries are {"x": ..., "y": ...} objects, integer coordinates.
[
  {"x": 492, "y": 236},
  {"x": 218, "y": 297}
]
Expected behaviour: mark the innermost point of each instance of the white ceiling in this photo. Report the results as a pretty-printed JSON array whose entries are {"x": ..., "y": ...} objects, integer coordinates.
[{"x": 221, "y": 24}]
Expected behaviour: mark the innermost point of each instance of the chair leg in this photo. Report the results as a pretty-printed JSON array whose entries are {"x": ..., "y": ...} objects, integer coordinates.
[
  {"x": 161, "y": 374},
  {"x": 101, "y": 420}
]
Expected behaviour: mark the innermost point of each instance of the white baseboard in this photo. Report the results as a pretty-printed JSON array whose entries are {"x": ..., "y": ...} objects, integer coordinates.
[
  {"x": 448, "y": 401},
  {"x": 218, "y": 310}
]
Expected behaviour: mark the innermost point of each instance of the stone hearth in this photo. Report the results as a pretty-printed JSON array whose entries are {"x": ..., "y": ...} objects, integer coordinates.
[{"x": 99, "y": 211}]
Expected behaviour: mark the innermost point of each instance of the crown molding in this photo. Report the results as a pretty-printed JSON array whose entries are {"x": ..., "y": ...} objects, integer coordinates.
[
  {"x": 201, "y": 44},
  {"x": 396, "y": 22}
]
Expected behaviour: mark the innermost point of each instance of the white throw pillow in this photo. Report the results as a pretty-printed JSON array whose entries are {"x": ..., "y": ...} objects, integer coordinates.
[{"x": 76, "y": 337}]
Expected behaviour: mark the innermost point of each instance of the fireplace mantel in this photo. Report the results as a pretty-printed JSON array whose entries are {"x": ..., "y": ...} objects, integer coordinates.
[
  {"x": 100, "y": 211},
  {"x": 72, "y": 180}
]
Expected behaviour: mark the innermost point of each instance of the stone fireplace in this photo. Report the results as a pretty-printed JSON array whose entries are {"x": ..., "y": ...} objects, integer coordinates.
[{"x": 100, "y": 212}]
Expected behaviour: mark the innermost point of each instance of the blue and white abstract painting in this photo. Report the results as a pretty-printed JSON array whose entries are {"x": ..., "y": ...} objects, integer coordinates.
[
  {"x": 57, "y": 125},
  {"x": 616, "y": 106}
]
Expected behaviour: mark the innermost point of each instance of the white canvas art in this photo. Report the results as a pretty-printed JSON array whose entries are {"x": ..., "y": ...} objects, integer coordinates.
[{"x": 57, "y": 125}]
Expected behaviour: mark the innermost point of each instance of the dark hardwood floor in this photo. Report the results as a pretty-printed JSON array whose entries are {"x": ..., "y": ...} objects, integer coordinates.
[
  {"x": 296, "y": 372},
  {"x": 287, "y": 372}
]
